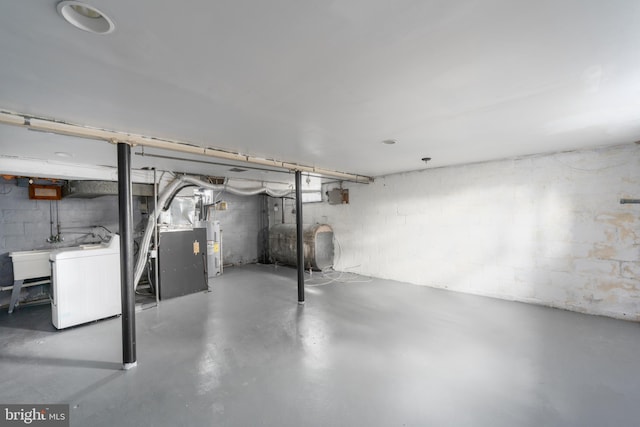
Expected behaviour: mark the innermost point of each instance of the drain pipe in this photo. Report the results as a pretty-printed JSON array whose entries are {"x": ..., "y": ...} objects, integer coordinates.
[
  {"x": 58, "y": 227},
  {"x": 51, "y": 236}
]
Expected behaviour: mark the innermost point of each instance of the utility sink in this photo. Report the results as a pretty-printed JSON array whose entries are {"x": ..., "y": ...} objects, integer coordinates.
[{"x": 30, "y": 264}]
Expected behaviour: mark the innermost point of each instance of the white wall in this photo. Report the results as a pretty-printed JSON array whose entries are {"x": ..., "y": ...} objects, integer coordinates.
[
  {"x": 545, "y": 229},
  {"x": 25, "y": 225},
  {"x": 240, "y": 225}
]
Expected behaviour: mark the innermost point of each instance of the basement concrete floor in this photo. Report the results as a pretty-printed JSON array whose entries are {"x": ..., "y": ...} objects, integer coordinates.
[{"x": 381, "y": 353}]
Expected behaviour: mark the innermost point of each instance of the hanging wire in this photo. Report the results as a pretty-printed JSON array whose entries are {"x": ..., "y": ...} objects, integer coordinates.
[{"x": 329, "y": 275}]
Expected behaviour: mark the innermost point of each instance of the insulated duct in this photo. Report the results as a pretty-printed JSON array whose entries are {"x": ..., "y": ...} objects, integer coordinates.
[
  {"x": 169, "y": 192},
  {"x": 93, "y": 189}
]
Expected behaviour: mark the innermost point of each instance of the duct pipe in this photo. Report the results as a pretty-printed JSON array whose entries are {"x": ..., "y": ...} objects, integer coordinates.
[
  {"x": 299, "y": 237},
  {"x": 62, "y": 128},
  {"x": 169, "y": 191},
  {"x": 126, "y": 257}
]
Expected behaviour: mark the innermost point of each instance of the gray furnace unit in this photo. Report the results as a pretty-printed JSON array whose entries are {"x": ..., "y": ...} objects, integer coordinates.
[{"x": 182, "y": 262}]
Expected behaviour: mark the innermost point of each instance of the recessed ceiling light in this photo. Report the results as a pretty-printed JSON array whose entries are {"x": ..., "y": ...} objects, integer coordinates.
[
  {"x": 63, "y": 154},
  {"x": 389, "y": 141},
  {"x": 85, "y": 17}
]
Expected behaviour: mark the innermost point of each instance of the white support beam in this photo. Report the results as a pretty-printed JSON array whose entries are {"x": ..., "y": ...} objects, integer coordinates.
[{"x": 63, "y": 128}]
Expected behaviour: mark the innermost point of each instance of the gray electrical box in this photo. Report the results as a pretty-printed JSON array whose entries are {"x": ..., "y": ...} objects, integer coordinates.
[{"x": 338, "y": 196}]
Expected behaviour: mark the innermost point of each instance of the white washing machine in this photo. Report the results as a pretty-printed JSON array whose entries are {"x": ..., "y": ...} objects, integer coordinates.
[{"x": 85, "y": 283}]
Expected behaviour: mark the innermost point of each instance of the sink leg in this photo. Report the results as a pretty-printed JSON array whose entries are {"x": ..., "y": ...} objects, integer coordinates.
[{"x": 15, "y": 294}]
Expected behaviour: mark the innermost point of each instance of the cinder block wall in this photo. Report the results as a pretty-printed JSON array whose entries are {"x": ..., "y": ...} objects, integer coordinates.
[
  {"x": 240, "y": 225},
  {"x": 24, "y": 223},
  {"x": 547, "y": 229}
]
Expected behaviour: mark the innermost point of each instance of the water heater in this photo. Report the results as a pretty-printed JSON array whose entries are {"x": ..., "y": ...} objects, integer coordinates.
[{"x": 214, "y": 247}]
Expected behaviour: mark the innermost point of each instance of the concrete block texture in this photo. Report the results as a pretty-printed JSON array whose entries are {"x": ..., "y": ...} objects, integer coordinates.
[
  {"x": 240, "y": 225},
  {"x": 631, "y": 270},
  {"x": 13, "y": 229},
  {"x": 26, "y": 224},
  {"x": 547, "y": 229}
]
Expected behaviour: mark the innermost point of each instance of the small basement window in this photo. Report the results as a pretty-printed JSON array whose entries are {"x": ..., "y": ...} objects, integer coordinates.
[{"x": 311, "y": 189}]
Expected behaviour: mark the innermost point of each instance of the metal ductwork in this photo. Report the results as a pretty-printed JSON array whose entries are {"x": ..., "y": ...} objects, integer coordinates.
[
  {"x": 170, "y": 191},
  {"x": 92, "y": 189}
]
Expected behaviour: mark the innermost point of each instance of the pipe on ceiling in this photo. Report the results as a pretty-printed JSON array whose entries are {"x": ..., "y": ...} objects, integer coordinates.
[
  {"x": 169, "y": 192},
  {"x": 62, "y": 128}
]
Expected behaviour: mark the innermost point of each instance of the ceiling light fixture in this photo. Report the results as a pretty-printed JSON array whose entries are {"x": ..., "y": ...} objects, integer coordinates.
[
  {"x": 389, "y": 141},
  {"x": 85, "y": 17}
]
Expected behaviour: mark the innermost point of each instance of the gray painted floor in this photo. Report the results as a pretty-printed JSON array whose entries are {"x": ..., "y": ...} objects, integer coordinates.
[{"x": 357, "y": 354}]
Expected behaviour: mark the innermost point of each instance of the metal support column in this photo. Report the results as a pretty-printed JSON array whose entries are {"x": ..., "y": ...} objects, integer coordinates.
[
  {"x": 299, "y": 237},
  {"x": 125, "y": 211},
  {"x": 156, "y": 249}
]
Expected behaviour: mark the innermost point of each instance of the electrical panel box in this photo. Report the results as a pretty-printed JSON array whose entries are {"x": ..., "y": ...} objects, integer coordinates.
[
  {"x": 45, "y": 192},
  {"x": 338, "y": 196}
]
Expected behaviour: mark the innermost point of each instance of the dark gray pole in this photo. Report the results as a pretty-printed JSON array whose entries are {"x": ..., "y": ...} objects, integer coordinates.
[
  {"x": 299, "y": 239},
  {"x": 126, "y": 257},
  {"x": 155, "y": 238}
]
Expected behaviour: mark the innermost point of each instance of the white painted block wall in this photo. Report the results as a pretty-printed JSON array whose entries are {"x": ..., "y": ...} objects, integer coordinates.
[
  {"x": 546, "y": 229},
  {"x": 240, "y": 225},
  {"x": 25, "y": 224}
]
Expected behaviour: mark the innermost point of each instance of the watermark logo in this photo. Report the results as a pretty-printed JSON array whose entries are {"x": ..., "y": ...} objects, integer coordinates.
[{"x": 34, "y": 415}]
